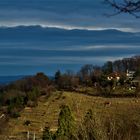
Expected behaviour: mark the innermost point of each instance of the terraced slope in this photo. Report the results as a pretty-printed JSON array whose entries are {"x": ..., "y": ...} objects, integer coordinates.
[{"x": 47, "y": 111}]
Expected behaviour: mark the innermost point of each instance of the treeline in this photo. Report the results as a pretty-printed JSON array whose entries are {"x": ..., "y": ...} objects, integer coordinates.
[
  {"x": 90, "y": 75},
  {"x": 125, "y": 64}
]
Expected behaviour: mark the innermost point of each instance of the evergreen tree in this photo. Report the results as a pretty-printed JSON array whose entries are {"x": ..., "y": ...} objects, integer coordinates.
[
  {"x": 57, "y": 76},
  {"x": 65, "y": 123}
]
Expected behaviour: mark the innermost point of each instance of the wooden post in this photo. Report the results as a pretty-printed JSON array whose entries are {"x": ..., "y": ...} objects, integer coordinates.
[
  {"x": 28, "y": 135},
  {"x": 34, "y": 136}
]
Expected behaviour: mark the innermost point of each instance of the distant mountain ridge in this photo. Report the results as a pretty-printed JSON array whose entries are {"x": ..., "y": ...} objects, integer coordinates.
[
  {"x": 38, "y": 33},
  {"x": 8, "y": 79},
  {"x": 40, "y": 28}
]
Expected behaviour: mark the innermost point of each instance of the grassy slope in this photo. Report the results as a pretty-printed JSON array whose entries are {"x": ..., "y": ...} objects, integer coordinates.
[{"x": 47, "y": 111}]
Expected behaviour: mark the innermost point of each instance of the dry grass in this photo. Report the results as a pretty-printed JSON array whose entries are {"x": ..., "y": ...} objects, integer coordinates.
[{"x": 47, "y": 111}]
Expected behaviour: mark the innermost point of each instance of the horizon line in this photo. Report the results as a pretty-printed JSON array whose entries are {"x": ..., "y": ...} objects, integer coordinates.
[{"x": 65, "y": 27}]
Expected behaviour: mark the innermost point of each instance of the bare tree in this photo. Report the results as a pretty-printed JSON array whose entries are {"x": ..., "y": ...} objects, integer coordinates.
[{"x": 131, "y": 7}]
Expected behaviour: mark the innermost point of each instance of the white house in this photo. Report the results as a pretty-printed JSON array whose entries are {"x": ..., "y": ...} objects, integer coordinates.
[{"x": 130, "y": 75}]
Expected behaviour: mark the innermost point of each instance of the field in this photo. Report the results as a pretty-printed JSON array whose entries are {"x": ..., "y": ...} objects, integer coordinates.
[{"x": 47, "y": 111}]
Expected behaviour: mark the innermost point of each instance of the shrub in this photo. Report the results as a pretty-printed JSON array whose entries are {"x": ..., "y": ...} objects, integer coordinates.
[
  {"x": 47, "y": 134},
  {"x": 27, "y": 122},
  {"x": 15, "y": 114}
]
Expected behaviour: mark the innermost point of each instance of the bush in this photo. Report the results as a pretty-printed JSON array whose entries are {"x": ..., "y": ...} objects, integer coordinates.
[
  {"x": 87, "y": 129},
  {"x": 47, "y": 134},
  {"x": 31, "y": 103},
  {"x": 27, "y": 122},
  {"x": 15, "y": 115}
]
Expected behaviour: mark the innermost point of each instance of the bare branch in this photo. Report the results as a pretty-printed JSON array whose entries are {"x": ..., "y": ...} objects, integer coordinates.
[{"x": 131, "y": 7}]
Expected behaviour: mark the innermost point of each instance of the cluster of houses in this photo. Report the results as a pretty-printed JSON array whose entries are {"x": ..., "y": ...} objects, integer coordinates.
[{"x": 130, "y": 76}]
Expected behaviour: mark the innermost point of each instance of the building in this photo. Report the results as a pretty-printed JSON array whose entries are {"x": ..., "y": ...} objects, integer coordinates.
[
  {"x": 114, "y": 76},
  {"x": 135, "y": 82},
  {"x": 130, "y": 75}
]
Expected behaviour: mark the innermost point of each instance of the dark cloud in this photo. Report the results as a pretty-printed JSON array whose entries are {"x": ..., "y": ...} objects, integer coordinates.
[{"x": 76, "y": 13}]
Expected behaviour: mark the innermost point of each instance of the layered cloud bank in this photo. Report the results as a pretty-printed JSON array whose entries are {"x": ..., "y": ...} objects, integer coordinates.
[
  {"x": 68, "y": 14},
  {"x": 28, "y": 49}
]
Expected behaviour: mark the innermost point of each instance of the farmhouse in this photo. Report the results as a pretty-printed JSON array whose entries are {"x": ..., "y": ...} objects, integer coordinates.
[{"x": 114, "y": 76}]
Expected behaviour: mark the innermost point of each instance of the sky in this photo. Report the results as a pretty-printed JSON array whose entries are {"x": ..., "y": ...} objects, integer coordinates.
[
  {"x": 87, "y": 14},
  {"x": 22, "y": 56}
]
